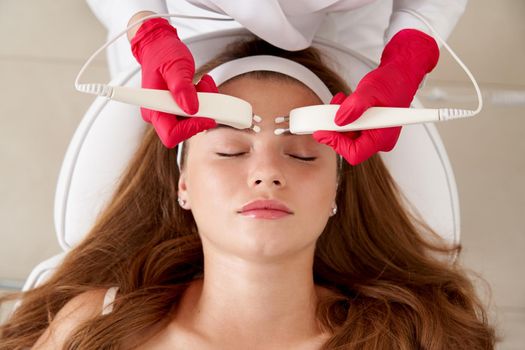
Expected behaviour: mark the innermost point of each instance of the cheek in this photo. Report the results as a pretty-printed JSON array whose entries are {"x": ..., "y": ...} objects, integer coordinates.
[
  {"x": 318, "y": 190},
  {"x": 212, "y": 186},
  {"x": 321, "y": 179},
  {"x": 323, "y": 193}
]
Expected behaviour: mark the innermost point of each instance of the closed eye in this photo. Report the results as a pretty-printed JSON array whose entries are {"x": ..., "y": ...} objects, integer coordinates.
[
  {"x": 229, "y": 155},
  {"x": 306, "y": 159}
]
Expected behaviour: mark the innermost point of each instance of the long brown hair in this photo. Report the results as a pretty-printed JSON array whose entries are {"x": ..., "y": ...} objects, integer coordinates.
[{"x": 391, "y": 291}]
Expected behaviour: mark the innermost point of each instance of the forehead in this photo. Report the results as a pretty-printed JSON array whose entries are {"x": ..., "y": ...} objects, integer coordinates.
[{"x": 270, "y": 96}]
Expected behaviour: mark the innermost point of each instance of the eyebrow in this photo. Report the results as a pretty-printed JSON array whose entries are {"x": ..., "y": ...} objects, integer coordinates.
[
  {"x": 219, "y": 126},
  {"x": 247, "y": 130}
]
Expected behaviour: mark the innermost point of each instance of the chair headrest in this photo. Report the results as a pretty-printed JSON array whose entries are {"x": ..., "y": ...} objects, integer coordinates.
[{"x": 109, "y": 134}]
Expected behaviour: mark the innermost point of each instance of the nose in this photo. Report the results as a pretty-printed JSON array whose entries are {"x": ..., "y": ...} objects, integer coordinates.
[
  {"x": 275, "y": 182},
  {"x": 267, "y": 173}
]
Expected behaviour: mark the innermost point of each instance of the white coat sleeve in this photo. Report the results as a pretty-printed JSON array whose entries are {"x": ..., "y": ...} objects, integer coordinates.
[
  {"x": 115, "y": 15},
  {"x": 367, "y": 29},
  {"x": 443, "y": 15}
]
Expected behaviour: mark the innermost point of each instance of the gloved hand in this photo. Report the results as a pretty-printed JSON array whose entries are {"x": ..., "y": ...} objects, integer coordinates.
[
  {"x": 167, "y": 64},
  {"x": 405, "y": 61}
]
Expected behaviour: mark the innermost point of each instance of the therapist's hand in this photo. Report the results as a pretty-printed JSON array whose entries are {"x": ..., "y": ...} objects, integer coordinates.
[
  {"x": 405, "y": 61},
  {"x": 167, "y": 64},
  {"x": 172, "y": 129}
]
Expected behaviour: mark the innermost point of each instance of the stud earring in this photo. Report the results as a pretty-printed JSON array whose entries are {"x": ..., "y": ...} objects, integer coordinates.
[
  {"x": 334, "y": 210},
  {"x": 182, "y": 202}
]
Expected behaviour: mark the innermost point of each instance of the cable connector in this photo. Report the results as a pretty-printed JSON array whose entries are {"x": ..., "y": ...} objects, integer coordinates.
[
  {"x": 96, "y": 89},
  {"x": 453, "y": 113}
]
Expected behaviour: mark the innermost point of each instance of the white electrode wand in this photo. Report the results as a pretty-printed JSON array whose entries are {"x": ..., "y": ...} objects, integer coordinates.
[{"x": 307, "y": 120}]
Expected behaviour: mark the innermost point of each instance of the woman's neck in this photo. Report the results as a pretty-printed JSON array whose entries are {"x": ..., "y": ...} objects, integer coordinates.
[{"x": 272, "y": 304}]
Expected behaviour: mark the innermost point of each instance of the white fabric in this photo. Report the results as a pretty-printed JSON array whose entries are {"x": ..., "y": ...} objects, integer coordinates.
[
  {"x": 115, "y": 15},
  {"x": 360, "y": 25}
]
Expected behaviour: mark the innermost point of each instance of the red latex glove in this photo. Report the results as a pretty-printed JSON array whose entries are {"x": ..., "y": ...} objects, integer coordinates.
[
  {"x": 405, "y": 61},
  {"x": 167, "y": 64}
]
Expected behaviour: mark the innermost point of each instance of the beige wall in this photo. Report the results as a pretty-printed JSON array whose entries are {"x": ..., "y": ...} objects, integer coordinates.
[{"x": 43, "y": 44}]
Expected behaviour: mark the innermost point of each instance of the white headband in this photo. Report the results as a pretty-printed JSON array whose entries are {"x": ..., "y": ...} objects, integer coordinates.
[{"x": 231, "y": 69}]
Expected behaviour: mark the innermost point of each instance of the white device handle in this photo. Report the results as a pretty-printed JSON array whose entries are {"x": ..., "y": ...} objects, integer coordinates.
[
  {"x": 224, "y": 109},
  {"x": 306, "y": 120}
]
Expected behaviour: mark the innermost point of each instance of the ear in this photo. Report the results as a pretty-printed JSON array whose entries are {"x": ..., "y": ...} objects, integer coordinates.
[{"x": 183, "y": 187}]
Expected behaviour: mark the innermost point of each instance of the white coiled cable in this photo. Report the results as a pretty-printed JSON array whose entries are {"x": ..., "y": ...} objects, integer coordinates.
[
  {"x": 452, "y": 113},
  {"x": 106, "y": 90}
]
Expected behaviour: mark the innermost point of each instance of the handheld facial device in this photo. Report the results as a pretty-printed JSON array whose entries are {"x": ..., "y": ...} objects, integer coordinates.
[
  {"x": 307, "y": 120},
  {"x": 238, "y": 113},
  {"x": 224, "y": 109}
]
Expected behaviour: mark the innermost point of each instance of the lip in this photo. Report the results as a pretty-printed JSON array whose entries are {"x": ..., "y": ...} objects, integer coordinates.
[
  {"x": 265, "y": 205},
  {"x": 265, "y": 213}
]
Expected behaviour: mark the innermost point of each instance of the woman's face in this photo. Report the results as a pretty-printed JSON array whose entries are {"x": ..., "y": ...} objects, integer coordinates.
[{"x": 263, "y": 166}]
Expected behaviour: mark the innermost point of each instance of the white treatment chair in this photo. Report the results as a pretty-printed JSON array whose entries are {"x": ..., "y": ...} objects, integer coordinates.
[{"x": 110, "y": 131}]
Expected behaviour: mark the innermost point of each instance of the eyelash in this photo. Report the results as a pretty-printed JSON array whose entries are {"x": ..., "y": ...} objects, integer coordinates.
[{"x": 305, "y": 159}]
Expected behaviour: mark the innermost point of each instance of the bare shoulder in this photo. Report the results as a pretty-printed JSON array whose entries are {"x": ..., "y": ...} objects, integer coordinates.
[{"x": 79, "y": 309}]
